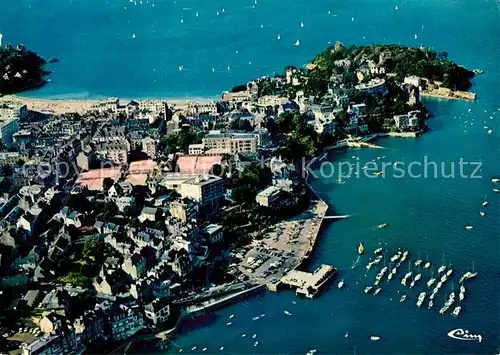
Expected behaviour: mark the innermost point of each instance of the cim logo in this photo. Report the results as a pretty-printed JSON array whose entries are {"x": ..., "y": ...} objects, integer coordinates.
[{"x": 461, "y": 334}]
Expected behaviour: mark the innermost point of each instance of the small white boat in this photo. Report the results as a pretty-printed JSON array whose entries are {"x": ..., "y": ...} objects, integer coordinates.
[
  {"x": 444, "y": 278},
  {"x": 368, "y": 289},
  {"x": 403, "y": 298},
  {"x": 262, "y": 315},
  {"x": 456, "y": 311},
  {"x": 427, "y": 265},
  {"x": 495, "y": 180},
  {"x": 302, "y": 24},
  {"x": 377, "y": 251},
  {"x": 243, "y": 335},
  {"x": 496, "y": 190},
  {"x": 431, "y": 282},
  {"x": 287, "y": 313},
  {"x": 490, "y": 131},
  {"x": 254, "y": 336},
  {"x": 256, "y": 343},
  {"x": 231, "y": 316},
  {"x": 418, "y": 262},
  {"x": 396, "y": 8},
  {"x": 204, "y": 349},
  {"x": 374, "y": 338},
  {"x": 341, "y": 284},
  {"x": 449, "y": 272},
  {"x": 442, "y": 268},
  {"x": 133, "y": 35},
  {"x": 431, "y": 304},
  {"x": 377, "y": 291},
  {"x": 278, "y": 37},
  {"x": 229, "y": 323},
  {"x": 221, "y": 348},
  {"x": 256, "y": 318},
  {"x": 193, "y": 348},
  {"x": 469, "y": 227},
  {"x": 311, "y": 352},
  {"x": 418, "y": 277},
  {"x": 297, "y": 43}
]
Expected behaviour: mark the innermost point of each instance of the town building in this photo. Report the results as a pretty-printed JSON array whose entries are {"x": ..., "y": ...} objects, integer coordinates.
[
  {"x": 207, "y": 190},
  {"x": 268, "y": 196},
  {"x": 157, "y": 311},
  {"x": 149, "y": 147},
  {"x": 213, "y": 233},
  {"x": 216, "y": 142}
]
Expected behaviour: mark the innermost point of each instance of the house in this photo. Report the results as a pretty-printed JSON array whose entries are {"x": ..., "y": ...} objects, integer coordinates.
[
  {"x": 111, "y": 282},
  {"x": 124, "y": 202},
  {"x": 213, "y": 233},
  {"x": 48, "y": 345},
  {"x": 157, "y": 311},
  {"x": 89, "y": 328},
  {"x": 123, "y": 321},
  {"x": 135, "y": 266},
  {"x": 268, "y": 197},
  {"x": 75, "y": 218},
  {"x": 148, "y": 214},
  {"x": 120, "y": 189},
  {"x": 27, "y": 222}
]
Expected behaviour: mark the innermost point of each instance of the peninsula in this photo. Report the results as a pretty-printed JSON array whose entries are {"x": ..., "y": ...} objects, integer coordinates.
[
  {"x": 20, "y": 70},
  {"x": 119, "y": 218}
]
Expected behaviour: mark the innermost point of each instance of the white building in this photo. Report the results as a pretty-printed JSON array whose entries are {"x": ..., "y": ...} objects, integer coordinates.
[
  {"x": 196, "y": 149},
  {"x": 149, "y": 147},
  {"x": 9, "y": 122},
  {"x": 204, "y": 189},
  {"x": 268, "y": 196}
]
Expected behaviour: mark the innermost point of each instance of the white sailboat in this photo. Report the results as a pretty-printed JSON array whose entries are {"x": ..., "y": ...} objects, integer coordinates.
[
  {"x": 297, "y": 43},
  {"x": 133, "y": 35},
  {"x": 278, "y": 37},
  {"x": 302, "y": 24}
]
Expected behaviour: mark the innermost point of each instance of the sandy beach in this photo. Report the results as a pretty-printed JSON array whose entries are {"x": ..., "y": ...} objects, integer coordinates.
[{"x": 61, "y": 106}]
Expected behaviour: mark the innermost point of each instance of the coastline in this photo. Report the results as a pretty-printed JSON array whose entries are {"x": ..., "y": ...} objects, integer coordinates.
[{"x": 68, "y": 105}]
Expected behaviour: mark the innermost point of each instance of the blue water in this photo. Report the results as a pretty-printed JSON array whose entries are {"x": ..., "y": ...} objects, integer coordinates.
[
  {"x": 93, "y": 38},
  {"x": 426, "y": 216}
]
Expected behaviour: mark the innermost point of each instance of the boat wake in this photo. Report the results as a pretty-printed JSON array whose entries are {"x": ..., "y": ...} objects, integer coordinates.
[{"x": 356, "y": 262}]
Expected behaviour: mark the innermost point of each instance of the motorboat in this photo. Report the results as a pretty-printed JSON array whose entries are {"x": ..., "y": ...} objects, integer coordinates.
[
  {"x": 287, "y": 313},
  {"x": 442, "y": 268},
  {"x": 361, "y": 248},
  {"x": 431, "y": 304},
  {"x": 418, "y": 262},
  {"x": 341, "y": 284},
  {"x": 403, "y": 298},
  {"x": 427, "y": 265},
  {"x": 431, "y": 282},
  {"x": 377, "y": 291},
  {"x": 383, "y": 225},
  {"x": 377, "y": 251},
  {"x": 449, "y": 272},
  {"x": 374, "y": 338},
  {"x": 418, "y": 277},
  {"x": 456, "y": 311}
]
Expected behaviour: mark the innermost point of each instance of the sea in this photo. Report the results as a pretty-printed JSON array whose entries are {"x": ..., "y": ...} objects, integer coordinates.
[{"x": 137, "y": 50}]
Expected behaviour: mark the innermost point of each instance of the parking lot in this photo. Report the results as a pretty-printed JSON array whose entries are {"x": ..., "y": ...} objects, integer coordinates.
[{"x": 282, "y": 249}]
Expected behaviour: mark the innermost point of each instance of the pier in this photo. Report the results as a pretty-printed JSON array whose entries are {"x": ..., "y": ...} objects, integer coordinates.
[{"x": 309, "y": 284}]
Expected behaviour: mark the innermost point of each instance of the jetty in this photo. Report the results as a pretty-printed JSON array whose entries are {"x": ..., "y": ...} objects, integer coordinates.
[{"x": 307, "y": 283}]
